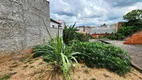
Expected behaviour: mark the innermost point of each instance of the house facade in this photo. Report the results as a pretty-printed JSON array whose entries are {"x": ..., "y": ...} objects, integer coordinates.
[
  {"x": 62, "y": 23},
  {"x": 57, "y": 24},
  {"x": 54, "y": 26},
  {"x": 54, "y": 23}
]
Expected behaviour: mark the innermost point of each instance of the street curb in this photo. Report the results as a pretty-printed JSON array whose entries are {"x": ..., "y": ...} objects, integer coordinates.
[{"x": 134, "y": 66}]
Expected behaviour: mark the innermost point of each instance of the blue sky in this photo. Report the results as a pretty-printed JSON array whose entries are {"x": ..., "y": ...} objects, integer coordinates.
[{"x": 92, "y": 12}]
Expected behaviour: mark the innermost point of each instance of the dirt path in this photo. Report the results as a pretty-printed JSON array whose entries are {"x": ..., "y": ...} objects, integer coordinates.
[
  {"x": 135, "y": 52},
  {"x": 22, "y": 68},
  {"x": 27, "y": 68}
]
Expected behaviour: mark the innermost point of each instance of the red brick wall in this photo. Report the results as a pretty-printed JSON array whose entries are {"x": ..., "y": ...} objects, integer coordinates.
[
  {"x": 98, "y": 35},
  {"x": 134, "y": 39}
]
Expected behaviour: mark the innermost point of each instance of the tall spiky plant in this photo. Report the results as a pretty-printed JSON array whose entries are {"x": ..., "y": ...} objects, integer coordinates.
[{"x": 60, "y": 56}]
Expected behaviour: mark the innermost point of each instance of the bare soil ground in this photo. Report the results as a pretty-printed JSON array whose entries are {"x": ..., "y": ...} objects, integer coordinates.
[{"x": 23, "y": 67}]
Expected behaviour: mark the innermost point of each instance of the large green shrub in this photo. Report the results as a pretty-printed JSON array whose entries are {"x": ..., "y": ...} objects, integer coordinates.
[{"x": 104, "y": 56}]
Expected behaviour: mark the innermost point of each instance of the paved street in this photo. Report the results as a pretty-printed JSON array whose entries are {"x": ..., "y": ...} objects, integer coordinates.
[{"x": 135, "y": 52}]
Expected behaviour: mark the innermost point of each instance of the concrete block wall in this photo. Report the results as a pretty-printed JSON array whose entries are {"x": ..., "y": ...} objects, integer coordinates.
[{"x": 21, "y": 24}]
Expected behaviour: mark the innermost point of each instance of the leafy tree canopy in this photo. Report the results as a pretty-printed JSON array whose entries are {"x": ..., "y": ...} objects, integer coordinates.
[
  {"x": 134, "y": 15},
  {"x": 134, "y": 18}
]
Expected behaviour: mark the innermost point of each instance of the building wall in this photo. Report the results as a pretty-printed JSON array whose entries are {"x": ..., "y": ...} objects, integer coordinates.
[
  {"x": 62, "y": 23},
  {"x": 54, "y": 32},
  {"x": 22, "y": 24},
  {"x": 102, "y": 30},
  {"x": 53, "y": 24},
  {"x": 120, "y": 24},
  {"x": 114, "y": 26},
  {"x": 81, "y": 29},
  {"x": 99, "y": 30}
]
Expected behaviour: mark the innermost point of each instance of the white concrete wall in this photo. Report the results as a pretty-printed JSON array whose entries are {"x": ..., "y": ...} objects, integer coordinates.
[
  {"x": 54, "y": 32},
  {"x": 53, "y": 24},
  {"x": 80, "y": 29},
  {"x": 114, "y": 26},
  {"x": 102, "y": 30},
  {"x": 62, "y": 23}
]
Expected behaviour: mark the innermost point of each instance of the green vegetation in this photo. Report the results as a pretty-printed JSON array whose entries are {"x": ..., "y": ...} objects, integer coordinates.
[
  {"x": 103, "y": 56},
  {"x": 62, "y": 56},
  {"x": 86, "y": 71},
  {"x": 69, "y": 34},
  {"x": 133, "y": 25},
  {"x": 93, "y": 79},
  {"x": 59, "y": 56},
  {"x": 134, "y": 18},
  {"x": 127, "y": 31},
  {"x": 115, "y": 36},
  {"x": 5, "y": 77},
  {"x": 123, "y": 32},
  {"x": 25, "y": 66}
]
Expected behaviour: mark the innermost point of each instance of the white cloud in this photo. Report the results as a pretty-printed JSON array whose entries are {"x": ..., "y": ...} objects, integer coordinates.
[{"x": 91, "y": 12}]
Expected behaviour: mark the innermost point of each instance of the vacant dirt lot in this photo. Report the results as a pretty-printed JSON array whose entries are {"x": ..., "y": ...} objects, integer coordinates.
[{"x": 27, "y": 68}]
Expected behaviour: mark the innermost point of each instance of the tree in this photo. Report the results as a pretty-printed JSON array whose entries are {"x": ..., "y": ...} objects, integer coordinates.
[
  {"x": 69, "y": 33},
  {"x": 104, "y": 24},
  {"x": 134, "y": 18},
  {"x": 133, "y": 15}
]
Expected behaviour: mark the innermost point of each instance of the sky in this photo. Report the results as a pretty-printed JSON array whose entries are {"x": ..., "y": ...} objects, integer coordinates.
[{"x": 92, "y": 12}]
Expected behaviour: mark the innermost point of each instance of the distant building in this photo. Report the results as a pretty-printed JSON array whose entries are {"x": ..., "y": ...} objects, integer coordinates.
[
  {"x": 120, "y": 24},
  {"x": 62, "y": 23},
  {"x": 84, "y": 29},
  {"x": 100, "y": 30},
  {"x": 54, "y": 23}
]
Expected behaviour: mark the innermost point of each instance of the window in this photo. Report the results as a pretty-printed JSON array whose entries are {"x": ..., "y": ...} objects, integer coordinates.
[
  {"x": 53, "y": 26},
  {"x": 59, "y": 25}
]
